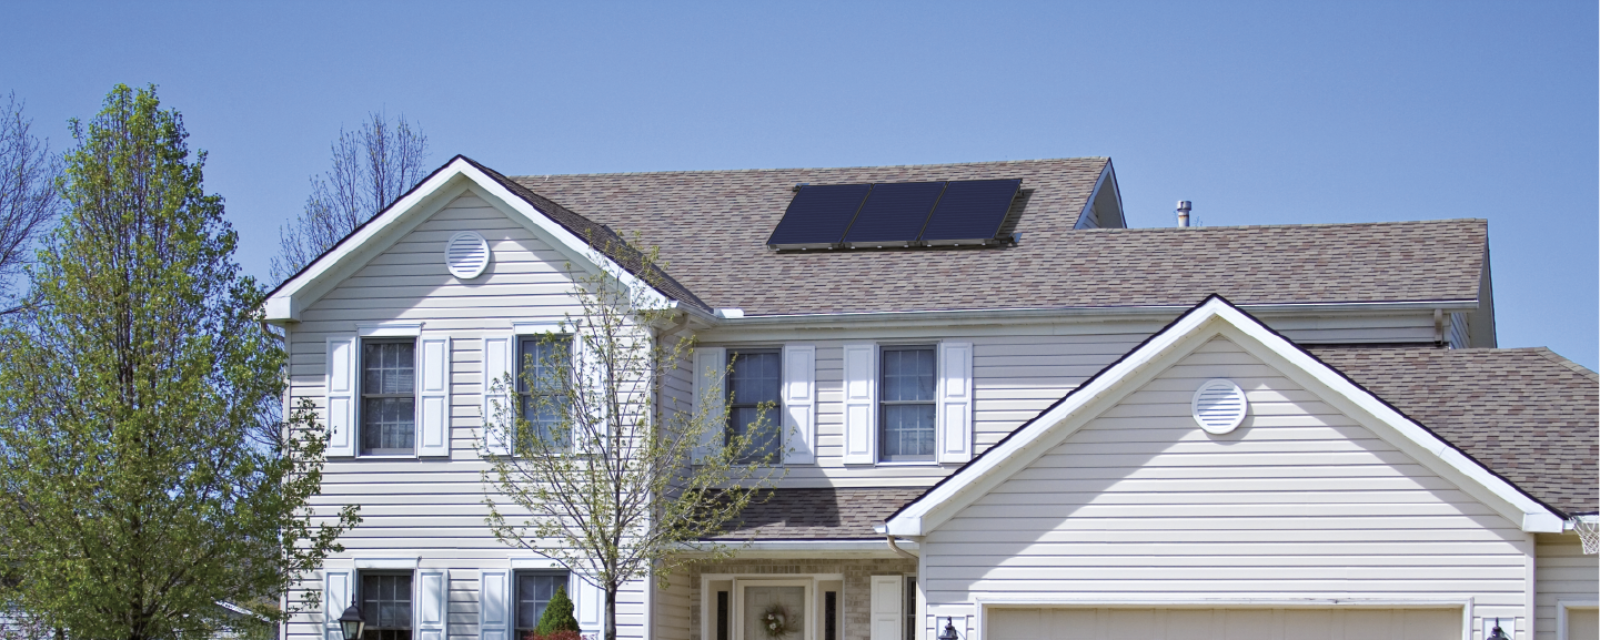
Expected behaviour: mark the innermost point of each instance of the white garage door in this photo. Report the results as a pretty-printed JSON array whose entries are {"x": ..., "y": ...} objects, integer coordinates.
[
  {"x": 1583, "y": 624},
  {"x": 1225, "y": 624}
]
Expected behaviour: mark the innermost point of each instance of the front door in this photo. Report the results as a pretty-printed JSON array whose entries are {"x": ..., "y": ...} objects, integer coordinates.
[{"x": 773, "y": 610}]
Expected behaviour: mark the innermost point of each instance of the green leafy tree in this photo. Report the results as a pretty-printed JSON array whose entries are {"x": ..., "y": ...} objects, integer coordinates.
[
  {"x": 131, "y": 496},
  {"x": 557, "y": 615},
  {"x": 609, "y": 482}
]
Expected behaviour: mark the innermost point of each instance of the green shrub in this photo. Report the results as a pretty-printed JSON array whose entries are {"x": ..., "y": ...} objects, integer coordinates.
[{"x": 558, "y": 615}]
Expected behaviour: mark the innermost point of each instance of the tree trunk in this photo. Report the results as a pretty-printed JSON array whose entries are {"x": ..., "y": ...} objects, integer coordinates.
[{"x": 611, "y": 612}]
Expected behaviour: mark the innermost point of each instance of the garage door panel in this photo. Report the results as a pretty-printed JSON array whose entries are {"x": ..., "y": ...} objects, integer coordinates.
[
  {"x": 1198, "y": 623},
  {"x": 1583, "y": 624},
  {"x": 1130, "y": 623}
]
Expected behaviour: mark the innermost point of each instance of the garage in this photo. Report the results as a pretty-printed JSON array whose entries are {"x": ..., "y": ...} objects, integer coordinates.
[
  {"x": 1582, "y": 624},
  {"x": 1083, "y": 623}
]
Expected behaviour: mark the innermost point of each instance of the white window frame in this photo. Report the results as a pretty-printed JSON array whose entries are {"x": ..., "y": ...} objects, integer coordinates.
[
  {"x": 360, "y": 387},
  {"x": 879, "y": 432}
]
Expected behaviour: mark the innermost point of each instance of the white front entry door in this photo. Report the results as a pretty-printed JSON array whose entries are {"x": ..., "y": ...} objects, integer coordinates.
[
  {"x": 773, "y": 610},
  {"x": 1223, "y": 624}
]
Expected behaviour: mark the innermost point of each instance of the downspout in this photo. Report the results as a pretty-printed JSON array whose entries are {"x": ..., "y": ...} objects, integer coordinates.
[{"x": 884, "y": 529}]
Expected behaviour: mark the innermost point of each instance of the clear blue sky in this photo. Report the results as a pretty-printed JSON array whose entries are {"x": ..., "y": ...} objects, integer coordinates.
[{"x": 1261, "y": 113}]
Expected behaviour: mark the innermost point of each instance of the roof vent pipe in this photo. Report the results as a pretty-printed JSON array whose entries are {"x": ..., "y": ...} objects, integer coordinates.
[{"x": 1183, "y": 212}]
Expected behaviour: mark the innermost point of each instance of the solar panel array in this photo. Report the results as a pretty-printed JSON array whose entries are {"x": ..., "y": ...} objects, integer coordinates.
[{"x": 895, "y": 214}]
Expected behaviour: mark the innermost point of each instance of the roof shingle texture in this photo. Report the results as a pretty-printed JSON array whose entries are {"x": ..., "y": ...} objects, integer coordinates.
[
  {"x": 821, "y": 514},
  {"x": 1529, "y": 415},
  {"x": 712, "y": 228}
]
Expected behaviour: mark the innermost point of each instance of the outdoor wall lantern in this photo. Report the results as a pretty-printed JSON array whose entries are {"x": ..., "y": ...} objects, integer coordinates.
[
  {"x": 949, "y": 632},
  {"x": 1498, "y": 633},
  {"x": 351, "y": 622}
]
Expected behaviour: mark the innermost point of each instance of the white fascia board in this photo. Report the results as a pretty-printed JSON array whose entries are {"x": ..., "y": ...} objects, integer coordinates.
[
  {"x": 1011, "y": 455},
  {"x": 1094, "y": 194},
  {"x": 804, "y": 548},
  {"x": 444, "y": 185}
]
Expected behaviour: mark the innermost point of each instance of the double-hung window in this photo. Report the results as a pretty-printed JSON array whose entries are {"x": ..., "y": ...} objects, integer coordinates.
[
  {"x": 756, "y": 384},
  {"x": 388, "y": 397},
  {"x": 386, "y": 604},
  {"x": 544, "y": 365},
  {"x": 906, "y": 405},
  {"x": 535, "y": 589}
]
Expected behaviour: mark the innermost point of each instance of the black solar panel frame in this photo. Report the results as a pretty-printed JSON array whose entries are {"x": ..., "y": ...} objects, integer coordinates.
[
  {"x": 975, "y": 232},
  {"x": 893, "y": 204},
  {"x": 796, "y": 231}
]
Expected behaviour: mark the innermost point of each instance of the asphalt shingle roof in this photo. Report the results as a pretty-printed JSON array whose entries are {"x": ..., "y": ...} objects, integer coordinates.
[
  {"x": 712, "y": 227},
  {"x": 1529, "y": 415},
  {"x": 821, "y": 514}
]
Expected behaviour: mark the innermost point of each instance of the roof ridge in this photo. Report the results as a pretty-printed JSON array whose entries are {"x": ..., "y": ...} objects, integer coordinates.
[
  {"x": 1312, "y": 225},
  {"x": 1563, "y": 361},
  {"x": 776, "y": 169}
]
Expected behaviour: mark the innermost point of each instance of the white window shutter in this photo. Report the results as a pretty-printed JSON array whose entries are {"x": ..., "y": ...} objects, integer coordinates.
[
  {"x": 860, "y": 403},
  {"x": 710, "y": 366},
  {"x": 588, "y": 356},
  {"x": 434, "y": 408},
  {"x": 336, "y": 592},
  {"x": 494, "y": 604},
  {"x": 497, "y": 355},
  {"x": 799, "y": 403},
  {"x": 588, "y": 604},
  {"x": 341, "y": 400},
  {"x": 433, "y": 603},
  {"x": 955, "y": 402},
  {"x": 887, "y": 601}
]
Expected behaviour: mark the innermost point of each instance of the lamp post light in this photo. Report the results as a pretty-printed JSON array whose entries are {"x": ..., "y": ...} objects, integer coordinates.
[
  {"x": 949, "y": 631},
  {"x": 1497, "y": 633},
  {"x": 351, "y": 622}
]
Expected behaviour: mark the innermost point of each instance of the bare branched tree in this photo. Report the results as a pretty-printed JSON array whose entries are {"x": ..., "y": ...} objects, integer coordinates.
[
  {"x": 593, "y": 466},
  {"x": 372, "y": 167},
  {"x": 28, "y": 195}
]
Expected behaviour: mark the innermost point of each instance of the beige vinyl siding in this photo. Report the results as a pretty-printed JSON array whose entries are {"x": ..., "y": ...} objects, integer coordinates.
[
  {"x": 1018, "y": 371},
  {"x": 434, "y": 508},
  {"x": 1299, "y": 502},
  {"x": 1563, "y": 573}
]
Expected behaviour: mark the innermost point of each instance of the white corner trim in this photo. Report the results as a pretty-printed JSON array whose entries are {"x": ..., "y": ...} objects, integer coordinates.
[
  {"x": 388, "y": 563},
  {"x": 1565, "y": 604},
  {"x": 538, "y": 327},
  {"x": 1005, "y": 459},
  {"x": 389, "y": 329},
  {"x": 285, "y": 304}
]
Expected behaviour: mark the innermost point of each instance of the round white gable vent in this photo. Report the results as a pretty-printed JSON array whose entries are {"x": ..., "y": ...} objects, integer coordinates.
[
  {"x": 1219, "y": 406},
  {"x": 467, "y": 255}
]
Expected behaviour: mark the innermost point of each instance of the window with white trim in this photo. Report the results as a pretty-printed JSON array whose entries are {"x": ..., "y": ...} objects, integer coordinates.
[
  {"x": 388, "y": 397},
  {"x": 534, "y": 591},
  {"x": 906, "y": 404},
  {"x": 545, "y": 363},
  {"x": 386, "y": 604},
  {"x": 754, "y": 387}
]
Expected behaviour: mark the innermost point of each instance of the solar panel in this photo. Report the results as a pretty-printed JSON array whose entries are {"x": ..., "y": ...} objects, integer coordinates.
[
  {"x": 970, "y": 211},
  {"x": 894, "y": 214},
  {"x": 818, "y": 216}
]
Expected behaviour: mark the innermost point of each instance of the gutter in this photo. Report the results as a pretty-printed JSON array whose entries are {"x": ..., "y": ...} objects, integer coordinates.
[{"x": 819, "y": 546}]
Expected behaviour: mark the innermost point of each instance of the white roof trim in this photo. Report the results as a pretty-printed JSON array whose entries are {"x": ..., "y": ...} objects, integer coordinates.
[
  {"x": 1212, "y": 317},
  {"x": 454, "y": 178}
]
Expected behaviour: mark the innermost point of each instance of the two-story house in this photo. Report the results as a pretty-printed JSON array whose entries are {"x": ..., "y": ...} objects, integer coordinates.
[{"x": 1005, "y": 415}]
